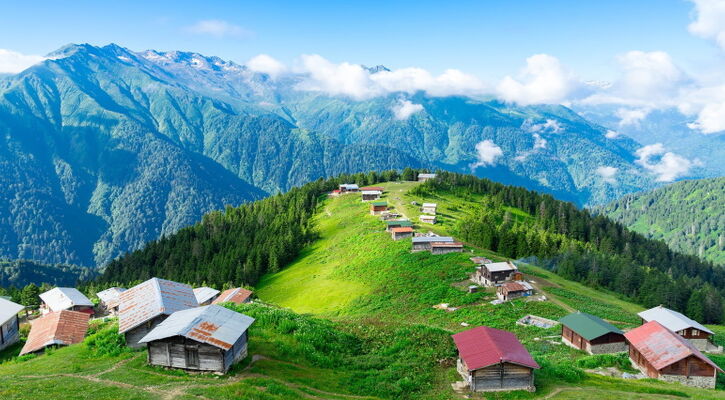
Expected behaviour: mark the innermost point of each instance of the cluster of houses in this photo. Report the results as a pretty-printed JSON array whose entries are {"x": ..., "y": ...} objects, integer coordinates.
[
  {"x": 181, "y": 327},
  {"x": 504, "y": 276},
  {"x": 666, "y": 346}
]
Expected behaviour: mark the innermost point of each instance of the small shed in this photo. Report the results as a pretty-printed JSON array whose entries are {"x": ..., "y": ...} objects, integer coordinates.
[
  {"x": 205, "y": 295},
  {"x": 370, "y": 195},
  {"x": 494, "y": 360},
  {"x": 425, "y": 177},
  {"x": 429, "y": 208},
  {"x": 234, "y": 295},
  {"x": 491, "y": 274},
  {"x": 378, "y": 207},
  {"x": 64, "y": 298},
  {"x": 696, "y": 333},
  {"x": 58, "y": 328},
  {"x": 377, "y": 188},
  {"x": 397, "y": 224},
  {"x": 446, "y": 247},
  {"x": 9, "y": 323},
  {"x": 513, "y": 290},
  {"x": 401, "y": 232},
  {"x": 109, "y": 300},
  {"x": 208, "y": 338},
  {"x": 348, "y": 187},
  {"x": 662, "y": 354},
  {"x": 147, "y": 304},
  {"x": 428, "y": 219},
  {"x": 592, "y": 334},
  {"x": 423, "y": 243}
]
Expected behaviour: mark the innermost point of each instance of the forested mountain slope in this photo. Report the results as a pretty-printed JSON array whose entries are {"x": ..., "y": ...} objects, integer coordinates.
[
  {"x": 18, "y": 273},
  {"x": 689, "y": 216}
]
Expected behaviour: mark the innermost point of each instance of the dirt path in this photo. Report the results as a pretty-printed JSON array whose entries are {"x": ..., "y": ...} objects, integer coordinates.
[{"x": 552, "y": 298}]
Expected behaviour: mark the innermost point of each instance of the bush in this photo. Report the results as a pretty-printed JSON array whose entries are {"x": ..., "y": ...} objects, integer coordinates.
[
  {"x": 620, "y": 360},
  {"x": 560, "y": 371},
  {"x": 106, "y": 341}
]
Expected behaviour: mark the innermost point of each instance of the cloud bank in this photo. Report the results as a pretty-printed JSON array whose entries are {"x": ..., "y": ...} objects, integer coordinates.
[
  {"x": 12, "y": 62},
  {"x": 403, "y": 109},
  {"x": 665, "y": 165},
  {"x": 217, "y": 28}
]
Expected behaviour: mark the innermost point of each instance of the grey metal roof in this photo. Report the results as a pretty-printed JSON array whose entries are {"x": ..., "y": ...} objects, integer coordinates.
[
  {"x": 214, "y": 325},
  {"x": 152, "y": 298},
  {"x": 671, "y": 320},
  {"x": 428, "y": 205},
  {"x": 349, "y": 186},
  {"x": 500, "y": 266},
  {"x": 371, "y": 192},
  {"x": 8, "y": 309},
  {"x": 63, "y": 298},
  {"x": 426, "y": 176},
  {"x": 110, "y": 296},
  {"x": 204, "y": 294},
  {"x": 429, "y": 239}
]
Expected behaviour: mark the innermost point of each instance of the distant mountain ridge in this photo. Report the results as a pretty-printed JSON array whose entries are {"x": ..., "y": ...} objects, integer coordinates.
[{"x": 103, "y": 149}]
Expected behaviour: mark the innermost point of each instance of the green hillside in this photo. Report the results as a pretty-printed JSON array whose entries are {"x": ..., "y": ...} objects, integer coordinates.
[
  {"x": 357, "y": 322},
  {"x": 688, "y": 215}
]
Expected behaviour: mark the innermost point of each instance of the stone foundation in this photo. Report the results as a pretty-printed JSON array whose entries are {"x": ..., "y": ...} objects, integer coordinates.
[
  {"x": 608, "y": 348},
  {"x": 704, "y": 382}
]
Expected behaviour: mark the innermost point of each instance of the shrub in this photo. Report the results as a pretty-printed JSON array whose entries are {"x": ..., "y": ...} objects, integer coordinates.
[{"x": 106, "y": 341}]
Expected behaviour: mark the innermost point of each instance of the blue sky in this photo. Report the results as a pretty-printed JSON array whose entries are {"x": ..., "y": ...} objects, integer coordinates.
[{"x": 486, "y": 38}]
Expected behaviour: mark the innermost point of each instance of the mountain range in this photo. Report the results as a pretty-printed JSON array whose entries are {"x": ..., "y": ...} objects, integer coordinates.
[{"x": 103, "y": 149}]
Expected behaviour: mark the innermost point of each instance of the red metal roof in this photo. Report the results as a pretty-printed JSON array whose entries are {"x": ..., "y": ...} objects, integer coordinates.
[
  {"x": 482, "y": 346},
  {"x": 402, "y": 229},
  {"x": 662, "y": 347},
  {"x": 235, "y": 295},
  {"x": 56, "y": 328}
]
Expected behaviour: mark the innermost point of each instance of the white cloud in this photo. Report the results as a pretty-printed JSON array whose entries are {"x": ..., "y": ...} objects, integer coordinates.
[
  {"x": 487, "y": 152},
  {"x": 550, "y": 125},
  {"x": 666, "y": 165},
  {"x": 539, "y": 142},
  {"x": 337, "y": 79},
  {"x": 610, "y": 134},
  {"x": 607, "y": 173},
  {"x": 646, "y": 75},
  {"x": 217, "y": 28},
  {"x": 403, "y": 109},
  {"x": 13, "y": 62},
  {"x": 711, "y": 119},
  {"x": 266, "y": 65},
  {"x": 543, "y": 80},
  {"x": 709, "y": 20},
  {"x": 631, "y": 117}
]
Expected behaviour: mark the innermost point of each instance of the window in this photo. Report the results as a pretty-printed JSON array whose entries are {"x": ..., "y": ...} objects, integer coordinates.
[
  {"x": 192, "y": 356},
  {"x": 695, "y": 332}
]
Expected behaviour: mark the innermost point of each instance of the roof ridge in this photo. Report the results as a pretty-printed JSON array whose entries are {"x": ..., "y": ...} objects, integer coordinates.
[{"x": 159, "y": 296}]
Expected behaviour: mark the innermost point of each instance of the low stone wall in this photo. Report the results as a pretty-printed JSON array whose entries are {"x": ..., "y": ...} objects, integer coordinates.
[
  {"x": 705, "y": 382},
  {"x": 608, "y": 348}
]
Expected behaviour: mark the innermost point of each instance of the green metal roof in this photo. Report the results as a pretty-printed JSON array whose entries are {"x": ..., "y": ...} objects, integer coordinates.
[
  {"x": 588, "y": 326},
  {"x": 399, "y": 223},
  {"x": 379, "y": 203}
]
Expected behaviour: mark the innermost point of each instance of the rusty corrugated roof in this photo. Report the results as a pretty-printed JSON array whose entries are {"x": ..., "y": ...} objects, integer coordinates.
[
  {"x": 214, "y": 325},
  {"x": 662, "y": 347},
  {"x": 402, "y": 229},
  {"x": 446, "y": 244},
  {"x": 56, "y": 328},
  {"x": 235, "y": 295},
  {"x": 483, "y": 346},
  {"x": 152, "y": 298}
]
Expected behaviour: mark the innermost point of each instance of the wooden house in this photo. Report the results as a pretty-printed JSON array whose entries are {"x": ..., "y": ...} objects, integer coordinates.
[
  {"x": 445, "y": 247},
  {"x": 425, "y": 177},
  {"x": 397, "y": 224},
  {"x": 662, "y": 354},
  {"x": 58, "y": 328},
  {"x": 423, "y": 243},
  {"x": 696, "y": 333},
  {"x": 492, "y": 274},
  {"x": 64, "y": 298},
  {"x": 208, "y": 338},
  {"x": 205, "y": 295},
  {"x": 428, "y": 219},
  {"x": 513, "y": 290},
  {"x": 371, "y": 195},
  {"x": 378, "y": 207},
  {"x": 9, "y": 323},
  {"x": 592, "y": 334},
  {"x": 494, "y": 360},
  {"x": 348, "y": 187},
  {"x": 234, "y": 295},
  {"x": 147, "y": 304},
  {"x": 109, "y": 300},
  {"x": 480, "y": 260},
  {"x": 378, "y": 188},
  {"x": 401, "y": 232},
  {"x": 429, "y": 208}
]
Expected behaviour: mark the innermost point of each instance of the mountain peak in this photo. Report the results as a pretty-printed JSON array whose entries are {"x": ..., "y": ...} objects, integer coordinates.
[{"x": 376, "y": 69}]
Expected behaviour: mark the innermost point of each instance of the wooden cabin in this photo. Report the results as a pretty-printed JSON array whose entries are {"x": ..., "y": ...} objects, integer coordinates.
[
  {"x": 58, "y": 328},
  {"x": 397, "y": 224},
  {"x": 208, "y": 338},
  {"x": 662, "y": 354},
  {"x": 205, "y": 295},
  {"x": 513, "y": 290},
  {"x": 377, "y": 188},
  {"x": 429, "y": 208},
  {"x": 147, "y": 304},
  {"x": 9, "y": 323},
  {"x": 425, "y": 177},
  {"x": 480, "y": 260},
  {"x": 696, "y": 333},
  {"x": 378, "y": 207},
  {"x": 234, "y": 295},
  {"x": 371, "y": 195},
  {"x": 109, "y": 300},
  {"x": 423, "y": 243},
  {"x": 491, "y": 274},
  {"x": 401, "y": 232},
  {"x": 64, "y": 298},
  {"x": 348, "y": 187},
  {"x": 494, "y": 360},
  {"x": 438, "y": 248},
  {"x": 591, "y": 334},
  {"x": 428, "y": 219}
]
